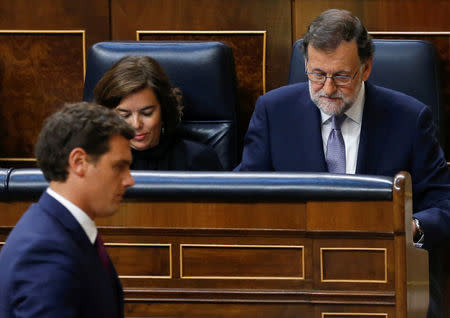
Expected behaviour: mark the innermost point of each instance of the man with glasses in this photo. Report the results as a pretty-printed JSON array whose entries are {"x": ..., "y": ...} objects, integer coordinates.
[{"x": 339, "y": 123}]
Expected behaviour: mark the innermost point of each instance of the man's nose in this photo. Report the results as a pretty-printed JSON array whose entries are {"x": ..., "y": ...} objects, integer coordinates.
[
  {"x": 128, "y": 181},
  {"x": 329, "y": 87}
]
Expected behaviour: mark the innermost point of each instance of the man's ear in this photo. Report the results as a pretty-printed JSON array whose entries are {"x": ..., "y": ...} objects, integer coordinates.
[
  {"x": 367, "y": 69},
  {"x": 78, "y": 161}
]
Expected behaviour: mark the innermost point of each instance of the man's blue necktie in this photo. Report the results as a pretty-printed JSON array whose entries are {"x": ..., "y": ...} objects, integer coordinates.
[{"x": 335, "y": 156}]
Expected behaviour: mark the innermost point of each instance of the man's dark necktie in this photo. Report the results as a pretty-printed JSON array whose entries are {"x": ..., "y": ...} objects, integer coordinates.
[
  {"x": 103, "y": 254},
  {"x": 335, "y": 156}
]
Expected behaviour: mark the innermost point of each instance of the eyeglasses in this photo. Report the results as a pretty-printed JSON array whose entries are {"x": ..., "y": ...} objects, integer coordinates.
[{"x": 338, "y": 80}]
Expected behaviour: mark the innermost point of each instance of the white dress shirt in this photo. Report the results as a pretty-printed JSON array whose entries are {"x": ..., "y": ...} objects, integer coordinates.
[
  {"x": 87, "y": 224},
  {"x": 351, "y": 131}
]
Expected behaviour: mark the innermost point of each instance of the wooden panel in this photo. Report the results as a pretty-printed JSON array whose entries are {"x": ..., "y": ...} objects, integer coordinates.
[
  {"x": 38, "y": 73},
  {"x": 251, "y": 310},
  {"x": 353, "y": 265},
  {"x": 336, "y": 311},
  {"x": 273, "y": 16},
  {"x": 141, "y": 260},
  {"x": 218, "y": 309},
  {"x": 353, "y": 315},
  {"x": 241, "y": 262},
  {"x": 265, "y": 257},
  {"x": 12, "y": 211},
  {"x": 379, "y": 15},
  {"x": 249, "y": 51},
  {"x": 89, "y": 15},
  {"x": 208, "y": 215},
  {"x": 355, "y": 216},
  {"x": 251, "y": 268},
  {"x": 252, "y": 242}
]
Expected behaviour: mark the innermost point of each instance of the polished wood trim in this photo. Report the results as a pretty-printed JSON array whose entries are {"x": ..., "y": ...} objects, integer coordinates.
[
  {"x": 233, "y": 232},
  {"x": 261, "y": 32},
  {"x": 83, "y": 41},
  {"x": 322, "y": 249},
  {"x": 18, "y": 159},
  {"x": 42, "y": 31},
  {"x": 301, "y": 247},
  {"x": 409, "y": 32},
  {"x": 170, "y": 276},
  {"x": 138, "y": 32},
  {"x": 325, "y": 314},
  {"x": 264, "y": 61},
  {"x": 28, "y": 160},
  {"x": 299, "y": 296},
  {"x": 130, "y": 230},
  {"x": 411, "y": 285}
]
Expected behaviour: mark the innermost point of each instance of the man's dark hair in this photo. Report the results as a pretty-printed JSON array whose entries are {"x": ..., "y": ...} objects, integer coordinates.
[
  {"x": 332, "y": 27},
  {"x": 85, "y": 125}
]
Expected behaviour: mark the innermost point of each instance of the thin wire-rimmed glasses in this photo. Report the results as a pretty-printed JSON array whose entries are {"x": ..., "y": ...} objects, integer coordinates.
[{"x": 338, "y": 80}]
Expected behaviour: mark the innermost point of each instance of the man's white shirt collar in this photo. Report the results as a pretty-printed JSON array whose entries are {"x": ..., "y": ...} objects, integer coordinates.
[
  {"x": 351, "y": 131},
  {"x": 85, "y": 221}
]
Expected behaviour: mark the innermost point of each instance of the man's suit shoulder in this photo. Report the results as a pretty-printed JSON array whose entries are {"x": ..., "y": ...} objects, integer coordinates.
[
  {"x": 388, "y": 100},
  {"x": 286, "y": 94},
  {"x": 37, "y": 233}
]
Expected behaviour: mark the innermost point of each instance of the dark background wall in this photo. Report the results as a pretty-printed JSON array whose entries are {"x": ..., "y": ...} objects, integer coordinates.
[{"x": 42, "y": 67}]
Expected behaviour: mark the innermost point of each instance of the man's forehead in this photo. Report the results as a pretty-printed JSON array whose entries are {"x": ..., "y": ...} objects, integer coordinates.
[
  {"x": 119, "y": 148},
  {"x": 346, "y": 54},
  {"x": 347, "y": 45}
]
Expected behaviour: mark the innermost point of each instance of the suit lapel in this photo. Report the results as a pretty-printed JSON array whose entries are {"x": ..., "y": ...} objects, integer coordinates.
[
  {"x": 118, "y": 288},
  {"x": 51, "y": 206},
  {"x": 371, "y": 138},
  {"x": 311, "y": 157}
]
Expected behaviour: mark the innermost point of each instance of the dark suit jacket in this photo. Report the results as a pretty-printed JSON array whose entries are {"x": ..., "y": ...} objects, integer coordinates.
[
  {"x": 49, "y": 268},
  {"x": 397, "y": 134}
]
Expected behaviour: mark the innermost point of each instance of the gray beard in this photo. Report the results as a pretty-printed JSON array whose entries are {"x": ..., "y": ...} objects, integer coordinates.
[{"x": 330, "y": 108}]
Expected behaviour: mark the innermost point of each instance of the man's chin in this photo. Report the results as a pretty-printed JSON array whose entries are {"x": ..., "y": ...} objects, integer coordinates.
[{"x": 334, "y": 109}]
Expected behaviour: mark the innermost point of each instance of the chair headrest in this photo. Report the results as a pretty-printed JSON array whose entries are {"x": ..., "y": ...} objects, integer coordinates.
[{"x": 4, "y": 176}]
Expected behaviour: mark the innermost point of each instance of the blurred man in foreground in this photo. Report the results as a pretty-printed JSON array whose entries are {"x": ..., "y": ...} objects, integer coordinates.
[{"x": 53, "y": 263}]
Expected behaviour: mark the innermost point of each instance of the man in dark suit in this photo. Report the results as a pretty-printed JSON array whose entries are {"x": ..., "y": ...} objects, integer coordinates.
[
  {"x": 53, "y": 263},
  {"x": 339, "y": 123}
]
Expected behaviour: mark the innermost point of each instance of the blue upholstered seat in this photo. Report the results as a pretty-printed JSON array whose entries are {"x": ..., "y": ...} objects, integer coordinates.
[
  {"x": 4, "y": 175},
  {"x": 205, "y": 73},
  {"x": 26, "y": 184},
  {"x": 408, "y": 66}
]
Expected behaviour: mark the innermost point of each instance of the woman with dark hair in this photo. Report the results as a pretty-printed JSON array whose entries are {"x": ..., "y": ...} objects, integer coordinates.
[{"x": 140, "y": 92}]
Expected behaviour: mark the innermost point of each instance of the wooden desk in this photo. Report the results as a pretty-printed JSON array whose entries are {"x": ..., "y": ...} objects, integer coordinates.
[{"x": 247, "y": 258}]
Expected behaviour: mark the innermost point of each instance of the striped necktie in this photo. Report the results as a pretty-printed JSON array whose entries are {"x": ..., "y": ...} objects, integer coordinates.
[{"x": 335, "y": 156}]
